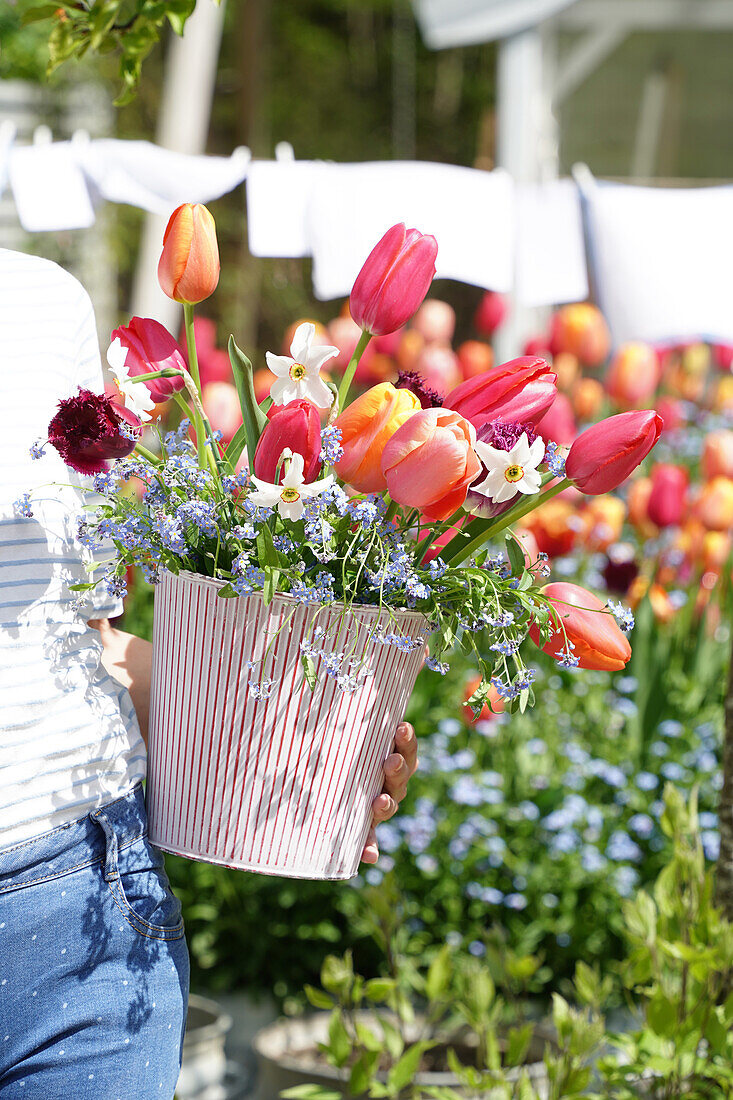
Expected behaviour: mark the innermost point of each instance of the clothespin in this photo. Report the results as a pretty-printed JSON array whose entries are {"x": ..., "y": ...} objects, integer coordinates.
[
  {"x": 284, "y": 151},
  {"x": 42, "y": 135}
]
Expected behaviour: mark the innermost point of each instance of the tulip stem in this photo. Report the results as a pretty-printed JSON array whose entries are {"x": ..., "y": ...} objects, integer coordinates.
[
  {"x": 351, "y": 369},
  {"x": 152, "y": 458},
  {"x": 485, "y": 530},
  {"x": 196, "y": 380}
]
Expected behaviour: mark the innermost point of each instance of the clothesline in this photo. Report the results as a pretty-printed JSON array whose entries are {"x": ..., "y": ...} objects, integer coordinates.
[{"x": 658, "y": 256}]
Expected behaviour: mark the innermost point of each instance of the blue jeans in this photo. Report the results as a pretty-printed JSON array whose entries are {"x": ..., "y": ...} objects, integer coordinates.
[{"x": 93, "y": 963}]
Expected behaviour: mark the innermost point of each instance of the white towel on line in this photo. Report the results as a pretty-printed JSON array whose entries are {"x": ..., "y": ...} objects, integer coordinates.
[
  {"x": 49, "y": 188},
  {"x": 469, "y": 212},
  {"x": 278, "y": 194},
  {"x": 661, "y": 260},
  {"x": 550, "y": 266}
]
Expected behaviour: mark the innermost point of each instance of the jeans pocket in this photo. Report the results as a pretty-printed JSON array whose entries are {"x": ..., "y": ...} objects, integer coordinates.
[{"x": 143, "y": 893}]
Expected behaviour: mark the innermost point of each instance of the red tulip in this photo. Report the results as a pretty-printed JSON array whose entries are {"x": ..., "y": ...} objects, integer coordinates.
[
  {"x": 491, "y": 312},
  {"x": 597, "y": 640},
  {"x": 394, "y": 280},
  {"x": 297, "y": 426},
  {"x": 86, "y": 431},
  {"x": 521, "y": 390},
  {"x": 429, "y": 462},
  {"x": 667, "y": 504},
  {"x": 558, "y": 423},
  {"x": 605, "y": 454},
  {"x": 671, "y": 412},
  {"x": 150, "y": 347},
  {"x": 188, "y": 269}
]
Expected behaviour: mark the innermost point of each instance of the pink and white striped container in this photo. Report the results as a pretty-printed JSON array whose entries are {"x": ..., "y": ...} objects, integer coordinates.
[{"x": 282, "y": 785}]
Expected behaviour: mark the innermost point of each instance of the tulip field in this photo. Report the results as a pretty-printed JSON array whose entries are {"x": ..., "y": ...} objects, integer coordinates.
[{"x": 524, "y": 835}]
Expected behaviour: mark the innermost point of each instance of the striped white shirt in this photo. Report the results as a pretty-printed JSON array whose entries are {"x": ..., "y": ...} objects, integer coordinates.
[{"x": 69, "y": 738}]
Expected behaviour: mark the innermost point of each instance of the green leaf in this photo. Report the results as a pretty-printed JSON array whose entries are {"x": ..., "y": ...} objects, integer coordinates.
[
  {"x": 439, "y": 974},
  {"x": 516, "y": 556},
  {"x": 339, "y": 1041},
  {"x": 226, "y": 592},
  {"x": 235, "y": 448},
  {"x": 317, "y": 997},
  {"x": 310, "y": 1092},
  {"x": 337, "y": 974},
  {"x": 178, "y": 16},
  {"x": 367, "y": 1038},
  {"x": 518, "y": 1042},
  {"x": 362, "y": 1071},
  {"x": 379, "y": 989},
  {"x": 38, "y": 13},
  {"x": 405, "y": 1070},
  {"x": 253, "y": 418},
  {"x": 309, "y": 670},
  {"x": 392, "y": 1039}
]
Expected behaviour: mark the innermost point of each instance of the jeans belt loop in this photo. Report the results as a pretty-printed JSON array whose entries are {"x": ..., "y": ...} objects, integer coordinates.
[{"x": 111, "y": 872}]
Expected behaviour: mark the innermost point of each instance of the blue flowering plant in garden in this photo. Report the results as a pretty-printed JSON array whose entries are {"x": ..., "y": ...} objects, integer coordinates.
[{"x": 397, "y": 500}]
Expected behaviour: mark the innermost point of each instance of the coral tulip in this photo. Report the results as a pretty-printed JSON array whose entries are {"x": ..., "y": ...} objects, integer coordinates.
[
  {"x": 474, "y": 357},
  {"x": 491, "y": 313},
  {"x": 633, "y": 375},
  {"x": 567, "y": 369},
  {"x": 188, "y": 269},
  {"x": 596, "y": 638},
  {"x": 667, "y": 504},
  {"x": 521, "y": 390},
  {"x": 715, "y": 504},
  {"x": 558, "y": 423},
  {"x": 491, "y": 708},
  {"x": 638, "y": 505},
  {"x": 581, "y": 329},
  {"x": 716, "y": 550},
  {"x": 671, "y": 412},
  {"x": 588, "y": 396},
  {"x": 296, "y": 425},
  {"x": 365, "y": 426},
  {"x": 723, "y": 395},
  {"x": 150, "y": 347},
  {"x": 662, "y": 607},
  {"x": 717, "y": 454},
  {"x": 555, "y": 526},
  {"x": 429, "y": 462},
  {"x": 605, "y": 454},
  {"x": 394, "y": 280}
]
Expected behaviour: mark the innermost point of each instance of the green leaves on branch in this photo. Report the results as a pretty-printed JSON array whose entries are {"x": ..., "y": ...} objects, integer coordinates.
[{"x": 130, "y": 27}]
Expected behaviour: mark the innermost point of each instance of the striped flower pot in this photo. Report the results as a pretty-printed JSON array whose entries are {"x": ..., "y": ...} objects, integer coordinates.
[{"x": 283, "y": 784}]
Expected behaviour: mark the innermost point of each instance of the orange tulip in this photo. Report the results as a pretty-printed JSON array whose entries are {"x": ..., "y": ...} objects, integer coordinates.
[
  {"x": 715, "y": 504},
  {"x": 716, "y": 548},
  {"x": 475, "y": 357},
  {"x": 717, "y": 454},
  {"x": 638, "y": 504},
  {"x": 662, "y": 606},
  {"x": 429, "y": 462},
  {"x": 633, "y": 375},
  {"x": 581, "y": 329},
  {"x": 567, "y": 369},
  {"x": 723, "y": 395},
  {"x": 555, "y": 526},
  {"x": 493, "y": 707},
  {"x": 604, "y": 521},
  {"x": 587, "y": 398},
  {"x": 597, "y": 640},
  {"x": 188, "y": 269},
  {"x": 366, "y": 426}
]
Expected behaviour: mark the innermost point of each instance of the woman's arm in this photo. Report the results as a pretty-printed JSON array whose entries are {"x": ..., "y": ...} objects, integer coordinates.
[{"x": 127, "y": 659}]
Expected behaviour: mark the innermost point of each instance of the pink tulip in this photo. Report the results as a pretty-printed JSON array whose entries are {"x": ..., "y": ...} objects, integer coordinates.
[
  {"x": 438, "y": 366},
  {"x": 429, "y": 462},
  {"x": 521, "y": 390},
  {"x": 667, "y": 504},
  {"x": 491, "y": 313},
  {"x": 558, "y": 423},
  {"x": 605, "y": 454},
  {"x": 435, "y": 321},
  {"x": 222, "y": 408},
  {"x": 394, "y": 280},
  {"x": 343, "y": 333},
  {"x": 671, "y": 412},
  {"x": 297, "y": 426},
  {"x": 151, "y": 347}
]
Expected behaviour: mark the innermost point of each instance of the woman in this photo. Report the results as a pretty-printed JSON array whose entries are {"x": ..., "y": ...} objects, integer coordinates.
[{"x": 93, "y": 961}]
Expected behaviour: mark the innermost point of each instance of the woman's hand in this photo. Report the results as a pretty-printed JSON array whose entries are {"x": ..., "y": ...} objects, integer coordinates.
[
  {"x": 128, "y": 659},
  {"x": 397, "y": 770}
]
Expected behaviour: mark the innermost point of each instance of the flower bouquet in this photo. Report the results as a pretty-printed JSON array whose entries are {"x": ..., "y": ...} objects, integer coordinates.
[{"x": 301, "y": 569}]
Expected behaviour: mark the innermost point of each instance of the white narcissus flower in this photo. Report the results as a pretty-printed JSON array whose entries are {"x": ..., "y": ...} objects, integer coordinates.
[
  {"x": 136, "y": 395},
  {"x": 298, "y": 374},
  {"x": 510, "y": 472},
  {"x": 289, "y": 496}
]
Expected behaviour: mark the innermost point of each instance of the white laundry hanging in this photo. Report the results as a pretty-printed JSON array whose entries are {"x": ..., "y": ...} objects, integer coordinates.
[
  {"x": 550, "y": 265},
  {"x": 49, "y": 187},
  {"x": 660, "y": 258}
]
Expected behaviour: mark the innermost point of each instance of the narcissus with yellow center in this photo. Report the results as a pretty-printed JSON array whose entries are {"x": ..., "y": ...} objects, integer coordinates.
[
  {"x": 510, "y": 472},
  {"x": 288, "y": 497}
]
